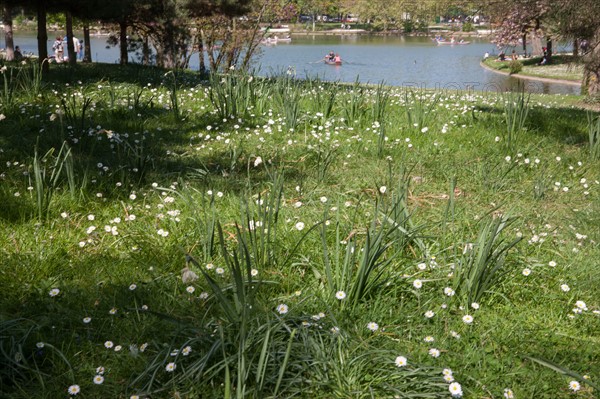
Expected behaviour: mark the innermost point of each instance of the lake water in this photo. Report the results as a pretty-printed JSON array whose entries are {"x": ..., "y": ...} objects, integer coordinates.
[{"x": 394, "y": 60}]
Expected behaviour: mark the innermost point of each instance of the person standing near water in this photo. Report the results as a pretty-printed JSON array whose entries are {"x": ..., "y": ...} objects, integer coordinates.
[
  {"x": 58, "y": 49},
  {"x": 76, "y": 47},
  {"x": 80, "y": 53}
]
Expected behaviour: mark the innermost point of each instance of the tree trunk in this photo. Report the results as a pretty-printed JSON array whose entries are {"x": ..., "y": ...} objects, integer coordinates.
[
  {"x": 202, "y": 63},
  {"x": 591, "y": 78},
  {"x": 169, "y": 57},
  {"x": 549, "y": 50},
  {"x": 123, "y": 42},
  {"x": 575, "y": 48},
  {"x": 42, "y": 37},
  {"x": 70, "y": 45},
  {"x": 524, "y": 38},
  {"x": 8, "y": 32},
  {"x": 146, "y": 51},
  {"x": 87, "y": 46}
]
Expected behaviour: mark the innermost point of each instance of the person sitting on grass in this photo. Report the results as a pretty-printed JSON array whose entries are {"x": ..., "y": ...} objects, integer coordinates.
[
  {"x": 18, "y": 54},
  {"x": 544, "y": 57}
]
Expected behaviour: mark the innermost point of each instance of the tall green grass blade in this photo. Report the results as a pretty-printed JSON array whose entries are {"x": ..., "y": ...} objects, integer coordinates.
[
  {"x": 563, "y": 370},
  {"x": 285, "y": 362}
]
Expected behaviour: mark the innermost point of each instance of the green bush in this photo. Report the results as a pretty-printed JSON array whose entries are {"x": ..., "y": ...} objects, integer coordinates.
[
  {"x": 467, "y": 27},
  {"x": 515, "y": 66}
]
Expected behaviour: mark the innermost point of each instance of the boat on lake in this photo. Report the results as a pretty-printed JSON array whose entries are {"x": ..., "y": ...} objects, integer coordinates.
[
  {"x": 328, "y": 62},
  {"x": 442, "y": 42},
  {"x": 276, "y": 39}
]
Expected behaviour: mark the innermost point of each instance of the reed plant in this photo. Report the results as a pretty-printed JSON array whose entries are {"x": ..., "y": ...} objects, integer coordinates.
[
  {"x": 359, "y": 267},
  {"x": 74, "y": 109},
  {"x": 484, "y": 264},
  {"x": 516, "y": 111},
  {"x": 47, "y": 176},
  {"x": 353, "y": 104},
  {"x": 8, "y": 89},
  {"x": 289, "y": 99},
  {"x": 323, "y": 96},
  {"x": 324, "y": 156},
  {"x": 31, "y": 80},
  {"x": 395, "y": 211},
  {"x": 496, "y": 176},
  {"x": 593, "y": 127},
  {"x": 419, "y": 107},
  {"x": 541, "y": 184},
  {"x": 380, "y": 104},
  {"x": 251, "y": 349},
  {"x": 137, "y": 98},
  {"x": 173, "y": 85},
  {"x": 237, "y": 93}
]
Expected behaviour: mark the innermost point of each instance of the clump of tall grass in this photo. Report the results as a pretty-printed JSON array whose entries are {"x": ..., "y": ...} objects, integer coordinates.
[
  {"x": 30, "y": 79},
  {"x": 24, "y": 81},
  {"x": 359, "y": 267},
  {"x": 594, "y": 135},
  {"x": 237, "y": 93},
  {"x": 47, "y": 176},
  {"x": 342, "y": 367},
  {"x": 380, "y": 103},
  {"x": 20, "y": 360},
  {"x": 418, "y": 107},
  {"x": 541, "y": 184},
  {"x": 173, "y": 85},
  {"x": 516, "y": 110},
  {"x": 496, "y": 175},
  {"x": 244, "y": 347},
  {"x": 289, "y": 92},
  {"x": 9, "y": 88},
  {"x": 324, "y": 156},
  {"x": 75, "y": 108},
  {"x": 323, "y": 96},
  {"x": 354, "y": 104},
  {"x": 483, "y": 265},
  {"x": 379, "y": 115}
]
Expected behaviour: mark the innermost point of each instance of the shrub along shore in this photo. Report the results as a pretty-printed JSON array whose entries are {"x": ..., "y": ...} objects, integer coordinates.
[{"x": 165, "y": 235}]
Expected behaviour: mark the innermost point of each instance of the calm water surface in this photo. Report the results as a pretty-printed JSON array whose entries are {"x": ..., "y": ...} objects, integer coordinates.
[{"x": 398, "y": 61}]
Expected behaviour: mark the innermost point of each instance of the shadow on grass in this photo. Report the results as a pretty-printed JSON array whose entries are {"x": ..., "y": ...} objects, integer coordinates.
[
  {"x": 131, "y": 73},
  {"x": 563, "y": 125},
  {"x": 566, "y": 126}
]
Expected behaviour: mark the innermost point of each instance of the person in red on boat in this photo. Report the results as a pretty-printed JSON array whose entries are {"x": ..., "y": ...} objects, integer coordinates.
[{"x": 337, "y": 59}]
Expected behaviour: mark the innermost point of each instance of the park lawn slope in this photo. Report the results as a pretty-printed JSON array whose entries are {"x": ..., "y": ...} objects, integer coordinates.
[{"x": 165, "y": 234}]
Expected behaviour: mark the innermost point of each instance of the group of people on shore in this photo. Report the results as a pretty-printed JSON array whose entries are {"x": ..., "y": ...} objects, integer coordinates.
[
  {"x": 59, "y": 49},
  {"x": 502, "y": 56}
]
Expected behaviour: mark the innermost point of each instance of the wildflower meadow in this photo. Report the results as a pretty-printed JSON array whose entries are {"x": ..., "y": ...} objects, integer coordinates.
[{"x": 171, "y": 235}]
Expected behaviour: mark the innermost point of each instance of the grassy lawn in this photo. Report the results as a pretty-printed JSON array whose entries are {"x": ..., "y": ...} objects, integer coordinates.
[
  {"x": 562, "y": 67},
  {"x": 166, "y": 236}
]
